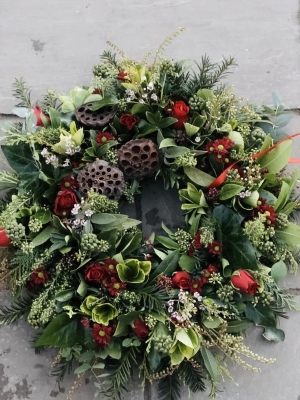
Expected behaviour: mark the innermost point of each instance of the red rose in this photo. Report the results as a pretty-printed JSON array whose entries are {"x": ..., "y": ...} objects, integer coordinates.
[
  {"x": 38, "y": 113},
  {"x": 182, "y": 280},
  {"x": 180, "y": 111},
  {"x": 245, "y": 282},
  {"x": 128, "y": 120},
  {"x": 140, "y": 329},
  {"x": 95, "y": 273},
  {"x": 64, "y": 202},
  {"x": 4, "y": 239}
]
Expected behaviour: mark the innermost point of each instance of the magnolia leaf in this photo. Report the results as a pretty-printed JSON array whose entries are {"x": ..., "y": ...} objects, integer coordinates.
[
  {"x": 277, "y": 158},
  {"x": 199, "y": 177},
  {"x": 65, "y": 295},
  {"x": 42, "y": 237},
  {"x": 167, "y": 242},
  {"x": 103, "y": 218},
  {"x": 230, "y": 190},
  {"x": 212, "y": 323}
]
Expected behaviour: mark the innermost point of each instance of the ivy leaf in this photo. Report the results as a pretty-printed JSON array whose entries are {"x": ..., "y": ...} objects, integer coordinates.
[
  {"x": 237, "y": 249},
  {"x": 62, "y": 331}
]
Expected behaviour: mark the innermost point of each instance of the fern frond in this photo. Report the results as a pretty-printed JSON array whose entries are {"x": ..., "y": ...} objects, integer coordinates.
[
  {"x": 8, "y": 180},
  {"x": 22, "y": 93},
  {"x": 169, "y": 387},
  {"x": 192, "y": 375},
  {"x": 20, "y": 307}
]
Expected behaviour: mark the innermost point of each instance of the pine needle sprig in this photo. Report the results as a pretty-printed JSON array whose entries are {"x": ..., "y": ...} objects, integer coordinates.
[
  {"x": 121, "y": 375},
  {"x": 60, "y": 369},
  {"x": 192, "y": 375},
  {"x": 169, "y": 387},
  {"x": 110, "y": 58},
  {"x": 32, "y": 342},
  {"x": 20, "y": 307},
  {"x": 152, "y": 298},
  {"x": 22, "y": 93}
]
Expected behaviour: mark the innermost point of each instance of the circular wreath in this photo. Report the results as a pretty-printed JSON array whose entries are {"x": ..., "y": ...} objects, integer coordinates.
[{"x": 83, "y": 273}]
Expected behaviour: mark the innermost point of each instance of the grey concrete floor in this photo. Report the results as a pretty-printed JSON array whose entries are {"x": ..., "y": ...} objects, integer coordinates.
[{"x": 54, "y": 45}]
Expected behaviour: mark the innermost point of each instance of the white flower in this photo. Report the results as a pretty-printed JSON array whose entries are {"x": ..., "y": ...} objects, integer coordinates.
[
  {"x": 154, "y": 96},
  {"x": 75, "y": 209},
  {"x": 144, "y": 78},
  {"x": 89, "y": 213},
  {"x": 83, "y": 222},
  {"x": 150, "y": 86},
  {"x": 67, "y": 162},
  {"x": 197, "y": 139},
  {"x": 144, "y": 95},
  {"x": 141, "y": 101},
  {"x": 170, "y": 309},
  {"x": 128, "y": 99},
  {"x": 44, "y": 151}
]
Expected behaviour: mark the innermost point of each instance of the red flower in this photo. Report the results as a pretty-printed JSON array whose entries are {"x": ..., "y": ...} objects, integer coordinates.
[
  {"x": 180, "y": 111},
  {"x": 115, "y": 286},
  {"x": 95, "y": 273},
  {"x": 128, "y": 120},
  {"x": 110, "y": 266},
  {"x": 68, "y": 182},
  {"x": 196, "y": 286},
  {"x": 85, "y": 322},
  {"x": 140, "y": 329},
  {"x": 191, "y": 250},
  {"x": 215, "y": 247},
  {"x": 102, "y": 334},
  {"x": 40, "y": 275},
  {"x": 245, "y": 282},
  {"x": 181, "y": 280},
  {"x": 97, "y": 91},
  {"x": 103, "y": 137},
  {"x": 197, "y": 240},
  {"x": 219, "y": 148},
  {"x": 122, "y": 76},
  {"x": 269, "y": 213},
  {"x": 64, "y": 202},
  {"x": 4, "y": 239},
  {"x": 212, "y": 269},
  {"x": 38, "y": 113}
]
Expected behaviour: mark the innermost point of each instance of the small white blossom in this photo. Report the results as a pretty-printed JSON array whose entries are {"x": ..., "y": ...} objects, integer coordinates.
[
  {"x": 44, "y": 151},
  {"x": 82, "y": 222},
  {"x": 197, "y": 139},
  {"x": 89, "y": 213},
  {"x": 67, "y": 162},
  {"x": 142, "y": 101},
  {"x": 150, "y": 86},
  {"x": 154, "y": 96},
  {"x": 75, "y": 209}
]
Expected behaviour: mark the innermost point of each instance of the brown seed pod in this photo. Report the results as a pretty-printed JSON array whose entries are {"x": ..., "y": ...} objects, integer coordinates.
[
  {"x": 139, "y": 157},
  {"x": 95, "y": 119},
  {"x": 102, "y": 178}
]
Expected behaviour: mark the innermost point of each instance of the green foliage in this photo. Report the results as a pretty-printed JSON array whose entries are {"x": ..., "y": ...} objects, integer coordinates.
[
  {"x": 169, "y": 387},
  {"x": 122, "y": 373},
  {"x": 192, "y": 375},
  {"x": 152, "y": 298},
  {"x": 22, "y": 93},
  {"x": 20, "y": 307}
]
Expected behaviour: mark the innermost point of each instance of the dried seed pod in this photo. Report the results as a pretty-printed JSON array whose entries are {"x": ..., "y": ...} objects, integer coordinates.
[
  {"x": 102, "y": 178},
  {"x": 139, "y": 157},
  {"x": 95, "y": 119}
]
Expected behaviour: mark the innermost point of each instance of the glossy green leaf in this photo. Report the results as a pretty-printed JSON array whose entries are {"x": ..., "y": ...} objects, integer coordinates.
[
  {"x": 260, "y": 315},
  {"x": 230, "y": 190},
  {"x": 274, "y": 334},
  {"x": 237, "y": 248},
  {"x": 167, "y": 266},
  {"x": 210, "y": 363},
  {"x": 237, "y": 326},
  {"x": 277, "y": 158},
  {"x": 82, "y": 368},
  {"x": 187, "y": 263},
  {"x": 290, "y": 235},
  {"x": 199, "y": 177},
  {"x": 279, "y": 270}
]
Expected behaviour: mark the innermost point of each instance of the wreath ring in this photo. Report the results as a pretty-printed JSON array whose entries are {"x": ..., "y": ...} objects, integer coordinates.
[{"x": 83, "y": 272}]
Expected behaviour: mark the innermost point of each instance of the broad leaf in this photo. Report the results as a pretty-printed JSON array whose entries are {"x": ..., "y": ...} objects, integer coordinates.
[
  {"x": 210, "y": 363},
  {"x": 167, "y": 266},
  {"x": 260, "y": 315},
  {"x": 274, "y": 334},
  {"x": 290, "y": 235},
  {"x": 62, "y": 331},
  {"x": 199, "y": 177},
  {"x": 237, "y": 248}
]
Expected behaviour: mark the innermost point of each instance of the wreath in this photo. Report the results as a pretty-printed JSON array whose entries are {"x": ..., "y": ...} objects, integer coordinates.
[{"x": 81, "y": 271}]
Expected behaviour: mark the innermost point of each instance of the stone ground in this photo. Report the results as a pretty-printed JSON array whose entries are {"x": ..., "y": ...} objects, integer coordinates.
[{"x": 54, "y": 44}]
